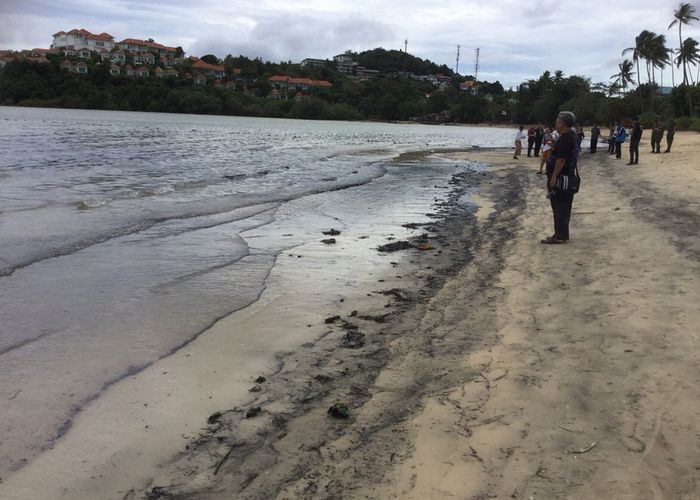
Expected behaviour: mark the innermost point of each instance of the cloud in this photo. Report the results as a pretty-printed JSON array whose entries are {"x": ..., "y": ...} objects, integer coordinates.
[{"x": 291, "y": 36}]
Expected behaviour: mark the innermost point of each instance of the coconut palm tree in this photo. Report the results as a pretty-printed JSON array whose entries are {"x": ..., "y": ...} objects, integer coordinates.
[
  {"x": 640, "y": 42},
  {"x": 658, "y": 55},
  {"x": 625, "y": 75},
  {"x": 685, "y": 14},
  {"x": 688, "y": 55}
]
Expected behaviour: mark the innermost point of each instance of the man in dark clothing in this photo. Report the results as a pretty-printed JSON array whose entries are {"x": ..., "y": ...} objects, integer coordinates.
[
  {"x": 635, "y": 137},
  {"x": 539, "y": 134},
  {"x": 657, "y": 136},
  {"x": 530, "y": 140},
  {"x": 563, "y": 163},
  {"x": 670, "y": 133},
  {"x": 595, "y": 133}
]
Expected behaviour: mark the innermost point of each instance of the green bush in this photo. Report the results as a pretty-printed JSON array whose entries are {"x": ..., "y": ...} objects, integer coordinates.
[
  {"x": 647, "y": 119},
  {"x": 683, "y": 123},
  {"x": 695, "y": 125}
]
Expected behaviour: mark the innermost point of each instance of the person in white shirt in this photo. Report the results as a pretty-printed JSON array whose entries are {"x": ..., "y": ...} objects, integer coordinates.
[
  {"x": 550, "y": 137},
  {"x": 520, "y": 136}
]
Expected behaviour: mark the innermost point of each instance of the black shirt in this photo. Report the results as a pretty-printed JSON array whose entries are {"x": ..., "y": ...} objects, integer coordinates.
[
  {"x": 595, "y": 132},
  {"x": 636, "y": 135},
  {"x": 565, "y": 147}
]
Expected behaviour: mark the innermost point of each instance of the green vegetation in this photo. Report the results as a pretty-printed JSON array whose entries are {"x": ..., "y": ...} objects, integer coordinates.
[{"x": 397, "y": 95}]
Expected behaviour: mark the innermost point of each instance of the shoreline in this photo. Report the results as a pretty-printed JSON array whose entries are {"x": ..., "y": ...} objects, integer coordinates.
[
  {"x": 486, "y": 389},
  {"x": 101, "y": 456}
]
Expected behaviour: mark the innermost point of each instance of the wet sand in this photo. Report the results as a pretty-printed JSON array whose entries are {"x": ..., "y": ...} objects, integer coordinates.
[{"x": 501, "y": 368}]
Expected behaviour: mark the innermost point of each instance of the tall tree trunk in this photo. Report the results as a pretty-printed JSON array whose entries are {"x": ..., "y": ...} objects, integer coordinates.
[
  {"x": 680, "y": 51},
  {"x": 673, "y": 75}
]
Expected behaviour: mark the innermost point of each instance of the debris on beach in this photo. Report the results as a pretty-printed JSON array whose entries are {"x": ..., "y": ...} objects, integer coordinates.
[
  {"x": 253, "y": 412},
  {"x": 331, "y": 232},
  {"x": 329, "y": 241},
  {"x": 339, "y": 410},
  {"x": 397, "y": 293},
  {"x": 214, "y": 418},
  {"x": 260, "y": 380},
  {"x": 395, "y": 246},
  {"x": 377, "y": 318},
  {"x": 354, "y": 339},
  {"x": 255, "y": 388},
  {"x": 332, "y": 319},
  {"x": 425, "y": 246}
]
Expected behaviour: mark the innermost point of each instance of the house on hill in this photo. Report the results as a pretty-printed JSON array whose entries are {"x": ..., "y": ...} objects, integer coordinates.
[
  {"x": 135, "y": 45},
  {"x": 345, "y": 64},
  {"x": 313, "y": 63},
  {"x": 79, "y": 67},
  {"x": 118, "y": 56},
  {"x": 205, "y": 68},
  {"x": 82, "y": 39}
]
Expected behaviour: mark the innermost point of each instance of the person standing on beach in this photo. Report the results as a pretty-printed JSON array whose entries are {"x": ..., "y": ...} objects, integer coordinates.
[
  {"x": 548, "y": 139},
  {"x": 562, "y": 162},
  {"x": 611, "y": 139},
  {"x": 539, "y": 133},
  {"x": 519, "y": 138},
  {"x": 620, "y": 137},
  {"x": 659, "y": 128},
  {"x": 595, "y": 133},
  {"x": 579, "y": 135},
  {"x": 670, "y": 133},
  {"x": 654, "y": 133},
  {"x": 530, "y": 140},
  {"x": 635, "y": 138}
]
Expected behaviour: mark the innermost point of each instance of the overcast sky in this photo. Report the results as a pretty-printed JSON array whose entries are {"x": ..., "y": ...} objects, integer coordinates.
[{"x": 518, "y": 39}]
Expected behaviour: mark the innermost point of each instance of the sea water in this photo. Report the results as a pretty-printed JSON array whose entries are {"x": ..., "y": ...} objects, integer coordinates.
[{"x": 125, "y": 235}]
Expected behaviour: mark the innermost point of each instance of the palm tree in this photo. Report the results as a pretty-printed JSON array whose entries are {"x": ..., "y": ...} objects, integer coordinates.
[
  {"x": 685, "y": 14},
  {"x": 658, "y": 55},
  {"x": 639, "y": 50},
  {"x": 625, "y": 75},
  {"x": 689, "y": 54}
]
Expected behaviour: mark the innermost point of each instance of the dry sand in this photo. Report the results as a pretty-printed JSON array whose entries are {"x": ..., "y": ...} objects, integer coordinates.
[{"x": 519, "y": 371}]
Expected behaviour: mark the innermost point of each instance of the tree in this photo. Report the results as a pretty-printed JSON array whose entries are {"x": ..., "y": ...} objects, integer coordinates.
[
  {"x": 685, "y": 14},
  {"x": 658, "y": 54},
  {"x": 210, "y": 59},
  {"x": 688, "y": 54},
  {"x": 640, "y": 50},
  {"x": 624, "y": 76}
]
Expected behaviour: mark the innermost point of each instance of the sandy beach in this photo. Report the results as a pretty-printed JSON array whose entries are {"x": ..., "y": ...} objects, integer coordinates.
[
  {"x": 485, "y": 366},
  {"x": 531, "y": 372}
]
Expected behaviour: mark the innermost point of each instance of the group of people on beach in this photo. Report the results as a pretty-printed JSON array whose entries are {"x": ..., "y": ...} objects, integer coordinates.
[
  {"x": 560, "y": 148},
  {"x": 618, "y": 136}
]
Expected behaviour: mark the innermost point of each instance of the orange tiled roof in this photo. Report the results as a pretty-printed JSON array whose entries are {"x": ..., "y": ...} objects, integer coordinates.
[
  {"x": 83, "y": 32},
  {"x": 199, "y": 64},
  {"x": 300, "y": 81},
  {"x": 153, "y": 45}
]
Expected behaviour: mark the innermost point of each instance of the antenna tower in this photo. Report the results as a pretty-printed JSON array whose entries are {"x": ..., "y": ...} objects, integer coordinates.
[
  {"x": 476, "y": 72},
  {"x": 457, "y": 67}
]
